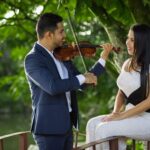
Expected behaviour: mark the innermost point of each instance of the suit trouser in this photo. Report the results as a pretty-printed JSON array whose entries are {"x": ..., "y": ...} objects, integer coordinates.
[{"x": 55, "y": 142}]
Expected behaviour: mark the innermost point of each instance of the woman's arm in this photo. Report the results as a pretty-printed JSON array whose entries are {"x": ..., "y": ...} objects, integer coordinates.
[
  {"x": 119, "y": 102},
  {"x": 139, "y": 108}
]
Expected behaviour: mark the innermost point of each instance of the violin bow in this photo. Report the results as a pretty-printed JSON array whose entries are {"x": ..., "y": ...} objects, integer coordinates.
[
  {"x": 76, "y": 39},
  {"x": 81, "y": 56}
]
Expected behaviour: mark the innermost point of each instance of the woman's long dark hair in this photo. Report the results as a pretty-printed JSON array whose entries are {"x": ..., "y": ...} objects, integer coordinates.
[{"x": 141, "y": 56}]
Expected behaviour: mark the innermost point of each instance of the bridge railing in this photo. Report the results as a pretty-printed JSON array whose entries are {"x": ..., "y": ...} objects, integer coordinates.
[
  {"x": 23, "y": 142},
  {"x": 113, "y": 143}
]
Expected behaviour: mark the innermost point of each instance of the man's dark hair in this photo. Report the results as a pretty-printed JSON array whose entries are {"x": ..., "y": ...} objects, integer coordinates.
[{"x": 47, "y": 22}]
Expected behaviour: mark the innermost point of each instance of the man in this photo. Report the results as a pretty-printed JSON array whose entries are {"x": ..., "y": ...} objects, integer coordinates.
[{"x": 53, "y": 84}]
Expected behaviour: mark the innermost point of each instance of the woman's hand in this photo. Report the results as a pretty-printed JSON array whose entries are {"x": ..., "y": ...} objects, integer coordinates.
[
  {"x": 107, "y": 49},
  {"x": 113, "y": 116}
]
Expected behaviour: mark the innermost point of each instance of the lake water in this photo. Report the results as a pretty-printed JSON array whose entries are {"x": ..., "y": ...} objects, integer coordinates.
[{"x": 14, "y": 123}]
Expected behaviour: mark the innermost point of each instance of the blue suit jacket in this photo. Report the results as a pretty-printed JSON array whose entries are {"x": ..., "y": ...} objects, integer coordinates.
[{"x": 50, "y": 110}]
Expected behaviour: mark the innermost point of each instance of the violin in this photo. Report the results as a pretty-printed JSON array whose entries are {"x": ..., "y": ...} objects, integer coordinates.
[{"x": 69, "y": 51}]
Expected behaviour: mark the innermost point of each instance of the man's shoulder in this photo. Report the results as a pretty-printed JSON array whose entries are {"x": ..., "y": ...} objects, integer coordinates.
[
  {"x": 32, "y": 56},
  {"x": 33, "y": 52},
  {"x": 30, "y": 53}
]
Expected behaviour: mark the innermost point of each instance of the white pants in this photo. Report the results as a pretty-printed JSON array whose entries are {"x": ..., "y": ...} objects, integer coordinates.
[{"x": 133, "y": 127}]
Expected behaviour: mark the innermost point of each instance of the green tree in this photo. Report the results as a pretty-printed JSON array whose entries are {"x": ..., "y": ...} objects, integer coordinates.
[{"x": 95, "y": 20}]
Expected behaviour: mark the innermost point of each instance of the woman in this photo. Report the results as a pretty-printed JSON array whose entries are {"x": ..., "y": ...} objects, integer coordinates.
[{"x": 133, "y": 84}]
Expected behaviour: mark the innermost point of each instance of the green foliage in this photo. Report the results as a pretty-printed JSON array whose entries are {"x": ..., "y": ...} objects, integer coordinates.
[
  {"x": 95, "y": 21},
  {"x": 146, "y": 2},
  {"x": 118, "y": 10}
]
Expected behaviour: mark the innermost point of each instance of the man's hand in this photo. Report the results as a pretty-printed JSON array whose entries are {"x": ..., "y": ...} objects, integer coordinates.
[
  {"x": 107, "y": 49},
  {"x": 90, "y": 78}
]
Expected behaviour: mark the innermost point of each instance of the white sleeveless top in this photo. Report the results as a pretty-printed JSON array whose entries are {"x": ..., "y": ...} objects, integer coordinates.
[{"x": 128, "y": 82}]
